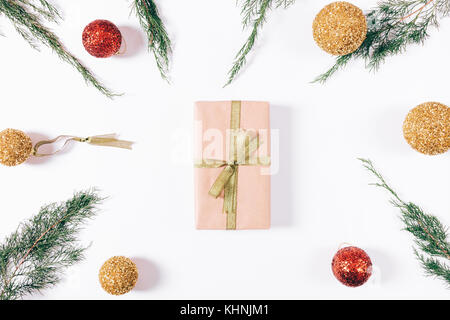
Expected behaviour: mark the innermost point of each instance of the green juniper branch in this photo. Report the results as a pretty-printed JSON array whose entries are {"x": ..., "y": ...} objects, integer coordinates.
[
  {"x": 392, "y": 26},
  {"x": 430, "y": 235},
  {"x": 34, "y": 256},
  {"x": 25, "y": 15},
  {"x": 158, "y": 40},
  {"x": 44, "y": 8},
  {"x": 254, "y": 13}
]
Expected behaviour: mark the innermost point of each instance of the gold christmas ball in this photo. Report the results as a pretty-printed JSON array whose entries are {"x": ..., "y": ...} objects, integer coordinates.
[
  {"x": 15, "y": 147},
  {"x": 340, "y": 28},
  {"x": 118, "y": 275},
  {"x": 427, "y": 128}
]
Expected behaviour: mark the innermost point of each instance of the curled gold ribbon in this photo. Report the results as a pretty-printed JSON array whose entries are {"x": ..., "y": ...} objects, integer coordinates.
[
  {"x": 242, "y": 145},
  {"x": 107, "y": 140}
]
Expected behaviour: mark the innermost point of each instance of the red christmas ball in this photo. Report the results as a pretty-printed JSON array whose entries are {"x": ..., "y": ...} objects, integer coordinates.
[
  {"x": 352, "y": 266},
  {"x": 102, "y": 39}
]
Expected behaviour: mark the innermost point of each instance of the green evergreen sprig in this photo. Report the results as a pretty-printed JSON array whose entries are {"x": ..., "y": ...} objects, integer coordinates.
[
  {"x": 158, "y": 40},
  {"x": 35, "y": 255},
  {"x": 392, "y": 26},
  {"x": 254, "y": 13},
  {"x": 430, "y": 235},
  {"x": 27, "y": 15}
]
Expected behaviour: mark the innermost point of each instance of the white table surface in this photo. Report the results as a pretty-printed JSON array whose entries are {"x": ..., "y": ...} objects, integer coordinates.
[{"x": 320, "y": 196}]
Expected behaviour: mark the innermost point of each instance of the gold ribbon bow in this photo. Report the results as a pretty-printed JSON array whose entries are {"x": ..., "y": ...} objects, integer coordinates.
[
  {"x": 107, "y": 140},
  {"x": 242, "y": 145}
]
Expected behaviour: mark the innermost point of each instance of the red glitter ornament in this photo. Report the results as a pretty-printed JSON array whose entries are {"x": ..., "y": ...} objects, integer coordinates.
[
  {"x": 102, "y": 39},
  {"x": 352, "y": 266}
]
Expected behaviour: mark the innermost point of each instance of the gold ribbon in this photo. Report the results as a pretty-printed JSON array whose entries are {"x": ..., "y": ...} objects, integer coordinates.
[
  {"x": 242, "y": 145},
  {"x": 107, "y": 140}
]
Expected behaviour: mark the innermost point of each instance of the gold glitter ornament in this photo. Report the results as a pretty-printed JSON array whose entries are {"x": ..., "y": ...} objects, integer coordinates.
[
  {"x": 15, "y": 147},
  {"x": 118, "y": 275},
  {"x": 427, "y": 128},
  {"x": 340, "y": 28}
]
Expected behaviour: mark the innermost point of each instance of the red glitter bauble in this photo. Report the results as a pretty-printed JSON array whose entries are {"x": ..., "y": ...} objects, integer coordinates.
[
  {"x": 352, "y": 266},
  {"x": 102, "y": 39}
]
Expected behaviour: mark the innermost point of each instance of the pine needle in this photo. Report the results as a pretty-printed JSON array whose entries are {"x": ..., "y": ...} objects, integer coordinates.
[
  {"x": 392, "y": 26},
  {"x": 430, "y": 236},
  {"x": 26, "y": 16},
  {"x": 36, "y": 254},
  {"x": 158, "y": 39},
  {"x": 254, "y": 14}
]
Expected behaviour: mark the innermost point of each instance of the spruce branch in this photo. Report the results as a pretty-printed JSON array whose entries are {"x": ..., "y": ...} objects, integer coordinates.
[
  {"x": 391, "y": 27},
  {"x": 430, "y": 235},
  {"x": 254, "y": 14},
  {"x": 26, "y": 17},
  {"x": 34, "y": 256},
  {"x": 158, "y": 40}
]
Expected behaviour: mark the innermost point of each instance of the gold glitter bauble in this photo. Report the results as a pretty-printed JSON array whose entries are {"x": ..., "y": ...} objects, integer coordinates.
[
  {"x": 427, "y": 128},
  {"x": 340, "y": 28},
  {"x": 118, "y": 275},
  {"x": 15, "y": 147}
]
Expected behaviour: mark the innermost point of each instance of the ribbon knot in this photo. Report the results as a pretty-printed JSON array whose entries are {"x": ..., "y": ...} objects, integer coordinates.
[{"x": 242, "y": 146}]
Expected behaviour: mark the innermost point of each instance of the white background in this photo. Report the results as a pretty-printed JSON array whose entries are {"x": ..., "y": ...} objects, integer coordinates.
[{"x": 320, "y": 197}]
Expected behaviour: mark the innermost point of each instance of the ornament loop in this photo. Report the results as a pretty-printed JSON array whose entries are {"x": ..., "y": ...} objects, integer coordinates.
[
  {"x": 45, "y": 142},
  {"x": 123, "y": 48},
  {"x": 344, "y": 244},
  {"x": 107, "y": 140}
]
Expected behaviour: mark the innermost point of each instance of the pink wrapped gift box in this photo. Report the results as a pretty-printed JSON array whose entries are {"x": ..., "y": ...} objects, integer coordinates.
[{"x": 212, "y": 127}]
